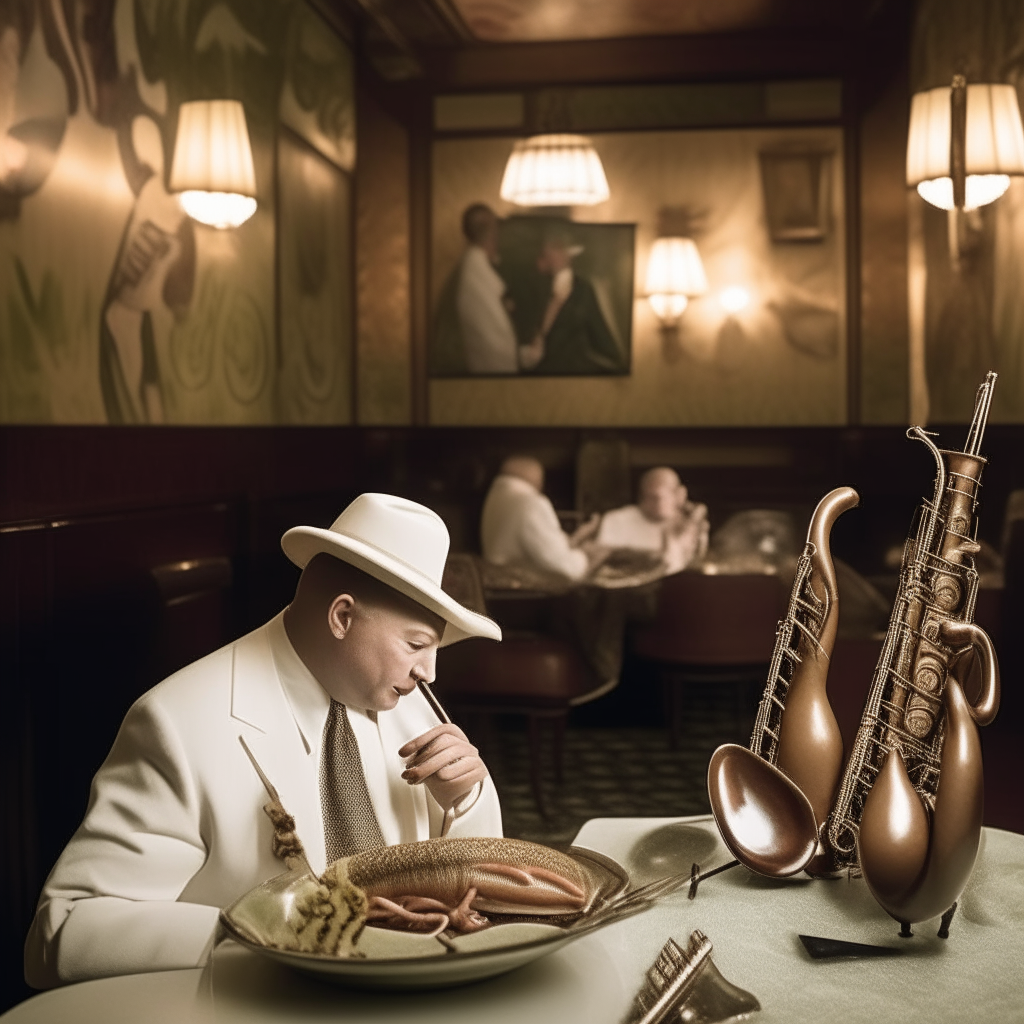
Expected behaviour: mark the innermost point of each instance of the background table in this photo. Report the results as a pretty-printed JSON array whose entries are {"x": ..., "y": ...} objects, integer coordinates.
[{"x": 975, "y": 975}]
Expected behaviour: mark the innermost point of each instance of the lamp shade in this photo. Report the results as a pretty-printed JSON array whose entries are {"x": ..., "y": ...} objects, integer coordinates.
[
  {"x": 212, "y": 170},
  {"x": 675, "y": 274},
  {"x": 994, "y": 144},
  {"x": 554, "y": 170}
]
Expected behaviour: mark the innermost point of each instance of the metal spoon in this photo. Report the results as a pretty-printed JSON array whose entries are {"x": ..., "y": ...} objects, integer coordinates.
[{"x": 764, "y": 818}]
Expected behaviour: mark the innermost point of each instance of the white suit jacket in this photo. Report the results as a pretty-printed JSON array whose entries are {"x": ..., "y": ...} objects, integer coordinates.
[
  {"x": 680, "y": 540},
  {"x": 176, "y": 830},
  {"x": 519, "y": 526},
  {"x": 488, "y": 338}
]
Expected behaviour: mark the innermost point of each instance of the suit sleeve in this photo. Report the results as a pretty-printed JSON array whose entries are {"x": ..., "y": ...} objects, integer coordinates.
[
  {"x": 110, "y": 904},
  {"x": 546, "y": 544},
  {"x": 478, "y": 813},
  {"x": 601, "y": 340}
]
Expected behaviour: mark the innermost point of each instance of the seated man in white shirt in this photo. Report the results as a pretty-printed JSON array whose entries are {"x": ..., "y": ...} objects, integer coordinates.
[
  {"x": 520, "y": 527},
  {"x": 663, "y": 520},
  {"x": 322, "y": 705}
]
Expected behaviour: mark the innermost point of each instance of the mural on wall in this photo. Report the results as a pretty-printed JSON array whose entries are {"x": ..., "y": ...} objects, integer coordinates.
[
  {"x": 315, "y": 285},
  {"x": 967, "y": 297},
  {"x": 538, "y": 296},
  {"x": 765, "y": 345},
  {"x": 117, "y": 307}
]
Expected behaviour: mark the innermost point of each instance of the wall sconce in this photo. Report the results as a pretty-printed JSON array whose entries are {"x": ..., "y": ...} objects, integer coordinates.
[
  {"x": 212, "y": 171},
  {"x": 675, "y": 274},
  {"x": 554, "y": 170},
  {"x": 964, "y": 142}
]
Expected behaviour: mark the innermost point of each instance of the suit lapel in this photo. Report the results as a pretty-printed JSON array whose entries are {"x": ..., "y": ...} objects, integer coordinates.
[{"x": 273, "y": 736}]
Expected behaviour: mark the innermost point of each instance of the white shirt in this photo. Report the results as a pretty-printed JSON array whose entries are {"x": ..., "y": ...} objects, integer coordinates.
[
  {"x": 680, "y": 539},
  {"x": 488, "y": 340},
  {"x": 519, "y": 526}
]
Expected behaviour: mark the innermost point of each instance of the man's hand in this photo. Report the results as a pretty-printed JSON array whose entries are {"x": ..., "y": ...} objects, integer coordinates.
[
  {"x": 586, "y": 531},
  {"x": 445, "y": 761},
  {"x": 531, "y": 354}
]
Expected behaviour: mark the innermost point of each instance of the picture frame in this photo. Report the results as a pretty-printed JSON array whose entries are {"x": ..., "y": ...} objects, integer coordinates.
[
  {"x": 565, "y": 289},
  {"x": 797, "y": 196}
]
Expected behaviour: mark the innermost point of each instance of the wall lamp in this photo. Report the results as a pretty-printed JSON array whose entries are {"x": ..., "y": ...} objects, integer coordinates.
[
  {"x": 675, "y": 274},
  {"x": 212, "y": 171},
  {"x": 554, "y": 170},
  {"x": 964, "y": 143}
]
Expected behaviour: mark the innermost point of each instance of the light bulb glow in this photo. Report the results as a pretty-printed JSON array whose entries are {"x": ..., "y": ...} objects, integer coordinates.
[
  {"x": 980, "y": 190},
  {"x": 734, "y": 299},
  {"x": 668, "y": 307},
  {"x": 217, "y": 209}
]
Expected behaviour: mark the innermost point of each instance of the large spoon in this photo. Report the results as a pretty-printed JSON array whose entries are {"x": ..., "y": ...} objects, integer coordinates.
[{"x": 764, "y": 818}]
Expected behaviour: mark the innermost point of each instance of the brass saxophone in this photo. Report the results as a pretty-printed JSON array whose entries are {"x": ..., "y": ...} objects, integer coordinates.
[
  {"x": 909, "y": 806},
  {"x": 796, "y": 740}
]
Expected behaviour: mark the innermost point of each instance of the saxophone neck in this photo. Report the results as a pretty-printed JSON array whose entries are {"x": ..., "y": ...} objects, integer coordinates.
[
  {"x": 829, "y": 509},
  {"x": 982, "y": 404}
]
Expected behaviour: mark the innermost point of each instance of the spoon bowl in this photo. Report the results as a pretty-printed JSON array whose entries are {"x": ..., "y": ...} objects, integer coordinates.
[{"x": 764, "y": 818}]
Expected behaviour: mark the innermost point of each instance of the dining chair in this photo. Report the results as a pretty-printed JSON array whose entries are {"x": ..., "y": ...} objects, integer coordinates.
[
  {"x": 194, "y": 615},
  {"x": 709, "y": 629},
  {"x": 531, "y": 674}
]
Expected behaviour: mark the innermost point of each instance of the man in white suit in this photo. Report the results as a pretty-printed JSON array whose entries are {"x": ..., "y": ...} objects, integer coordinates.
[
  {"x": 519, "y": 525},
  {"x": 175, "y": 828}
]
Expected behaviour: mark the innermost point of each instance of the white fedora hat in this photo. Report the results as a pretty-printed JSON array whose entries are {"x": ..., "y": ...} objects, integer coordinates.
[{"x": 400, "y": 543}]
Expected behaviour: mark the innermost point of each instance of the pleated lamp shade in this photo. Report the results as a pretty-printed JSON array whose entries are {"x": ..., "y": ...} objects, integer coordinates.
[
  {"x": 675, "y": 274},
  {"x": 212, "y": 170},
  {"x": 554, "y": 170},
  {"x": 995, "y": 144}
]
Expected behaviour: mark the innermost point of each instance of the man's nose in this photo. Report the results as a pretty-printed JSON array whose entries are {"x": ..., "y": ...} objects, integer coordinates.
[{"x": 426, "y": 665}]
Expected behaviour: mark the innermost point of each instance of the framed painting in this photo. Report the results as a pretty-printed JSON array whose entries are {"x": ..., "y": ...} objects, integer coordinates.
[
  {"x": 765, "y": 344},
  {"x": 537, "y": 296}
]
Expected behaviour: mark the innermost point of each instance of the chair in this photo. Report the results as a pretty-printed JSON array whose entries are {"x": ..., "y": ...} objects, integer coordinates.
[
  {"x": 531, "y": 674},
  {"x": 194, "y": 615},
  {"x": 717, "y": 629},
  {"x": 602, "y": 476}
]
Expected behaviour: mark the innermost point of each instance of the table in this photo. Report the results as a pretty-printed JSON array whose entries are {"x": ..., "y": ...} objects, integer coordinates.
[{"x": 753, "y": 922}]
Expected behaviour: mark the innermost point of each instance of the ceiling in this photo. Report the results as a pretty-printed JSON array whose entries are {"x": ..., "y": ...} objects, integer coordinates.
[
  {"x": 508, "y": 21},
  {"x": 395, "y": 34}
]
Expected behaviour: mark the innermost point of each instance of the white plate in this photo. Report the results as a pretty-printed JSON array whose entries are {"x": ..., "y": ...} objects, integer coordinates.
[{"x": 402, "y": 960}]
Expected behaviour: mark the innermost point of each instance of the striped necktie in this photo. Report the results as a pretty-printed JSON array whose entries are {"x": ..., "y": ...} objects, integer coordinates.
[{"x": 350, "y": 824}]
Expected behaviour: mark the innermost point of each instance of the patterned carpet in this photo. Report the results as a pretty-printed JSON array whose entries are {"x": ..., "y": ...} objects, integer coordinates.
[{"x": 611, "y": 771}]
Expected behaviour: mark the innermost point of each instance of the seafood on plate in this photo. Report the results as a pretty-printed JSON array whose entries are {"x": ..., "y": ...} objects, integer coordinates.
[{"x": 438, "y": 885}]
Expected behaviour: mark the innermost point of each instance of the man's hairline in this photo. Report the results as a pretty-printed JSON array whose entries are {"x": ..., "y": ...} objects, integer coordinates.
[{"x": 382, "y": 595}]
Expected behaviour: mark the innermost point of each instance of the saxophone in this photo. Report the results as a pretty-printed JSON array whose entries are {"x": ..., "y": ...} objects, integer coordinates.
[
  {"x": 909, "y": 807},
  {"x": 796, "y": 751}
]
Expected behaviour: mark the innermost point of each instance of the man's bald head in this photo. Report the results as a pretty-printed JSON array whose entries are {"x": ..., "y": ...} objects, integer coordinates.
[
  {"x": 325, "y": 577},
  {"x": 525, "y": 467},
  {"x": 661, "y": 494}
]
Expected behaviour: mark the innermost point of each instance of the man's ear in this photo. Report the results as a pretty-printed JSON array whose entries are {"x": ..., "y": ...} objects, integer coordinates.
[{"x": 339, "y": 615}]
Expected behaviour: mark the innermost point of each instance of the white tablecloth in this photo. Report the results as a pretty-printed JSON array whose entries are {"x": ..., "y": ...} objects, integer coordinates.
[{"x": 975, "y": 975}]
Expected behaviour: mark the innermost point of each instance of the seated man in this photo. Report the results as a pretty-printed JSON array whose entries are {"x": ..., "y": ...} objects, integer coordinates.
[
  {"x": 519, "y": 525},
  {"x": 663, "y": 520},
  {"x": 323, "y": 702}
]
